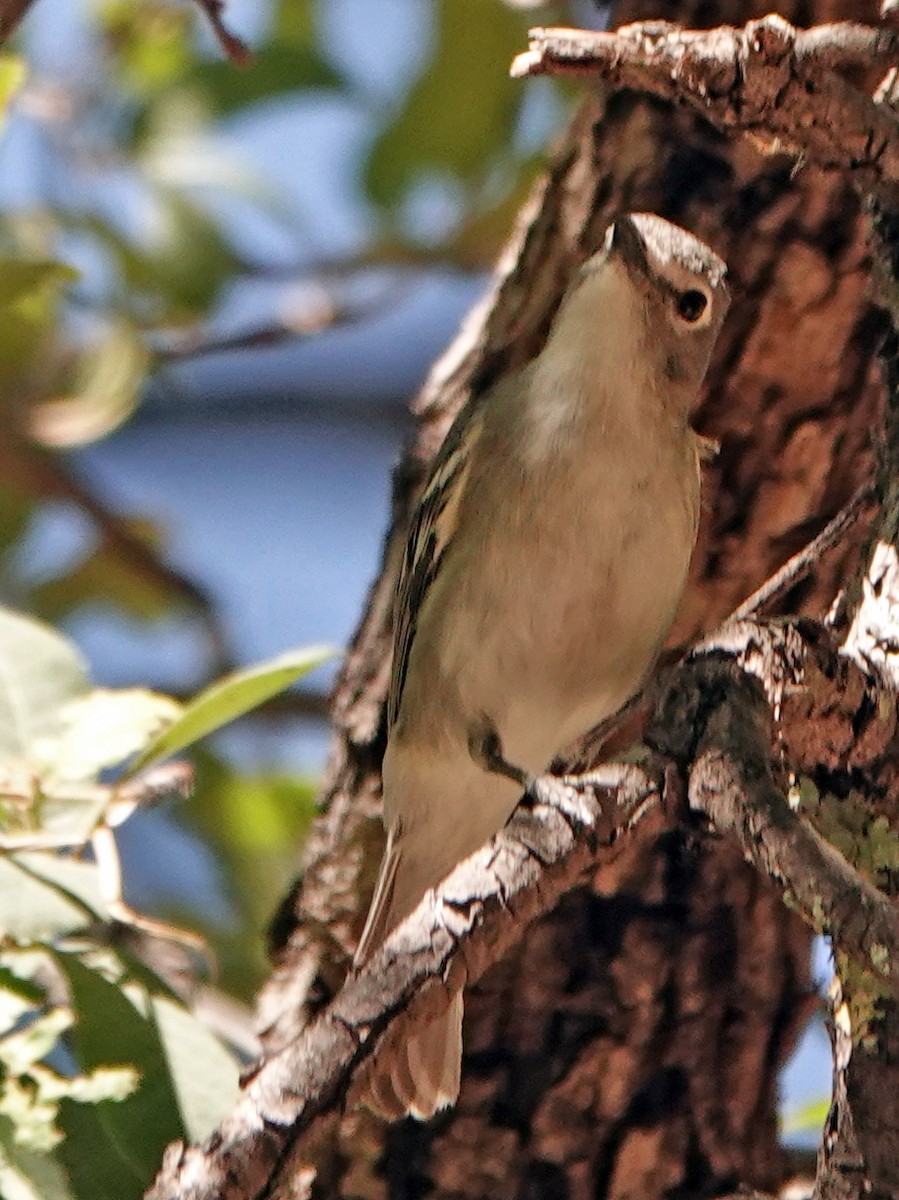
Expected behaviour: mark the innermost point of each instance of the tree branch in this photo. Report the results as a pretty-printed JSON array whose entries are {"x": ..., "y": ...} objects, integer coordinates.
[
  {"x": 455, "y": 933},
  {"x": 12, "y": 12},
  {"x": 731, "y": 780},
  {"x": 795, "y": 569},
  {"x": 307, "y": 322},
  {"x": 768, "y": 79},
  {"x": 736, "y": 707}
]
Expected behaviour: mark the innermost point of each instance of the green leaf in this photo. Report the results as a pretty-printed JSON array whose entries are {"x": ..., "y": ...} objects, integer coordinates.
[
  {"x": 206, "y": 1075},
  {"x": 230, "y": 698},
  {"x": 26, "y": 1174},
  {"x": 33, "y": 910},
  {"x": 277, "y": 69},
  {"x": 461, "y": 113},
  {"x": 24, "y": 282},
  {"x": 105, "y": 393},
  {"x": 20, "y": 1050},
  {"x": 25, "y": 964},
  {"x": 97, "y": 1165},
  {"x": 293, "y": 22},
  {"x": 31, "y": 1100},
  {"x": 66, "y": 818},
  {"x": 33, "y": 1117},
  {"x": 29, "y": 299},
  {"x": 102, "y": 729},
  {"x": 148, "y": 42},
  {"x": 265, "y": 813},
  {"x": 17, "y": 997},
  {"x": 12, "y": 75},
  {"x": 77, "y": 882},
  {"x": 110, "y": 1030},
  {"x": 103, "y": 1083},
  {"x": 808, "y": 1118},
  {"x": 40, "y": 672}
]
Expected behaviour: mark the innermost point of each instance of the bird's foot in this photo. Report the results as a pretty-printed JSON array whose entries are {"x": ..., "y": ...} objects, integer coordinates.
[
  {"x": 612, "y": 788},
  {"x": 563, "y": 794},
  {"x": 575, "y": 796},
  {"x": 486, "y": 748}
]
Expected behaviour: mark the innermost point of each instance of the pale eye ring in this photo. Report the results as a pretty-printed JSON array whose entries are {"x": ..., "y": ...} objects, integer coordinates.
[{"x": 691, "y": 305}]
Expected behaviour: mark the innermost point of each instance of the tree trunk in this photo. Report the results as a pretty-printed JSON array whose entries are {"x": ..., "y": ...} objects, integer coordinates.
[{"x": 630, "y": 1045}]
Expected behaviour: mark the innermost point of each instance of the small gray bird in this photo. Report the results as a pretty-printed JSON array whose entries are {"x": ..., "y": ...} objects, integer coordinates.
[{"x": 542, "y": 573}]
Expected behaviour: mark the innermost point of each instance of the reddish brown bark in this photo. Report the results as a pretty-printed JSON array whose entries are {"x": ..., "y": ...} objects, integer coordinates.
[{"x": 630, "y": 1045}]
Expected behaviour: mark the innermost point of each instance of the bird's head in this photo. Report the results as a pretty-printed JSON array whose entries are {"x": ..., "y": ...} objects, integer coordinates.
[{"x": 663, "y": 293}]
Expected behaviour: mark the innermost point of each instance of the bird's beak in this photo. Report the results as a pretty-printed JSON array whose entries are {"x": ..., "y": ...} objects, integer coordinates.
[{"x": 624, "y": 242}]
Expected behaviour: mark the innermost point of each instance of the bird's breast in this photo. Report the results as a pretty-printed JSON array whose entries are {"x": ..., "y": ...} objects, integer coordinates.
[{"x": 578, "y": 582}]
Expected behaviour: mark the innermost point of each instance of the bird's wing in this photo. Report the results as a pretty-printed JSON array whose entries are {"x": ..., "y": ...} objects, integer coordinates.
[
  {"x": 432, "y": 530},
  {"x": 432, "y": 527}
]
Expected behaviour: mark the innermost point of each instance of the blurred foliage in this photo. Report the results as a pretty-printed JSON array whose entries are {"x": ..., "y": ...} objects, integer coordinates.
[
  {"x": 129, "y": 188},
  {"x": 806, "y": 1120},
  {"x": 443, "y": 125},
  {"x": 136, "y": 138},
  {"x": 254, "y": 822},
  {"x": 101, "y": 1061}
]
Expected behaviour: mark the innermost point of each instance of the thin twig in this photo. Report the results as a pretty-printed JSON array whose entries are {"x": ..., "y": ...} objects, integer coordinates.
[
  {"x": 35, "y": 473},
  {"x": 314, "y": 320},
  {"x": 831, "y": 895},
  {"x": 236, "y": 48},
  {"x": 726, "y": 783},
  {"x": 806, "y": 559}
]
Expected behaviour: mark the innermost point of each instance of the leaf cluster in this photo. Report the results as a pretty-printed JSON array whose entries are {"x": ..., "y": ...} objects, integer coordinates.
[{"x": 102, "y": 1063}]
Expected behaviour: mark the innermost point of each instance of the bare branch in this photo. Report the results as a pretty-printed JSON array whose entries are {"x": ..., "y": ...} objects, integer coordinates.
[
  {"x": 236, "y": 49},
  {"x": 716, "y": 719},
  {"x": 796, "y": 568},
  {"x": 12, "y": 12},
  {"x": 833, "y": 897},
  {"x": 311, "y": 320},
  {"x": 33, "y": 471},
  {"x": 768, "y": 79},
  {"x": 732, "y": 783}
]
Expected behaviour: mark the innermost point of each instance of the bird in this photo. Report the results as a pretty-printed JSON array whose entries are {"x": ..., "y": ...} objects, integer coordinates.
[{"x": 543, "y": 569}]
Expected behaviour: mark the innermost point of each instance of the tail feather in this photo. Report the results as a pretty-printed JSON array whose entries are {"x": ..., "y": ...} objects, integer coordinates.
[
  {"x": 419, "y": 1074},
  {"x": 434, "y": 1055},
  {"x": 380, "y": 910},
  {"x": 379, "y": 1095}
]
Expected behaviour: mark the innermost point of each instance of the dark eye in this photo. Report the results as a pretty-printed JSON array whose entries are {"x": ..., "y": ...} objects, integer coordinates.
[{"x": 691, "y": 305}]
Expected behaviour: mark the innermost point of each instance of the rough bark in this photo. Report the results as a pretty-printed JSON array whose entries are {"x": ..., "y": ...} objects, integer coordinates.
[
  {"x": 629, "y": 1044},
  {"x": 713, "y": 720}
]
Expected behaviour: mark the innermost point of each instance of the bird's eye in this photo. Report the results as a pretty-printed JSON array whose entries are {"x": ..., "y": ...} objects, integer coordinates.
[{"x": 691, "y": 305}]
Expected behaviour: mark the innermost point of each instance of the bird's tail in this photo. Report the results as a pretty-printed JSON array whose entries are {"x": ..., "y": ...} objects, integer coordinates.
[{"x": 418, "y": 1074}]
